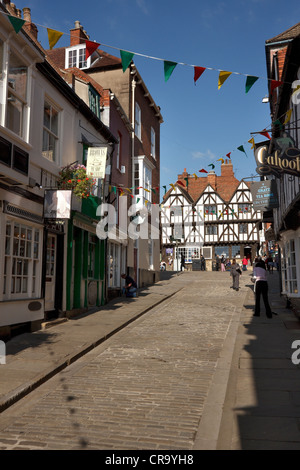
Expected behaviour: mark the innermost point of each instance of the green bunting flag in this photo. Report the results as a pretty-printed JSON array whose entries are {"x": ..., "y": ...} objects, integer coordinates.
[
  {"x": 212, "y": 166},
  {"x": 187, "y": 182},
  {"x": 165, "y": 188},
  {"x": 126, "y": 59},
  {"x": 250, "y": 82},
  {"x": 168, "y": 69},
  {"x": 16, "y": 22},
  {"x": 241, "y": 149}
]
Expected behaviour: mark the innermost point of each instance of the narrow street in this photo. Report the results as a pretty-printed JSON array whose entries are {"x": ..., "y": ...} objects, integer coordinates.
[{"x": 146, "y": 387}]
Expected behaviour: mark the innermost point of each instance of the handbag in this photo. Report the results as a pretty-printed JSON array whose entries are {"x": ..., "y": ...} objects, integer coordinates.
[{"x": 238, "y": 270}]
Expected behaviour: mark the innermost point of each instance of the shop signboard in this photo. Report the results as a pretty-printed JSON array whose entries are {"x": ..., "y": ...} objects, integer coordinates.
[
  {"x": 264, "y": 195},
  {"x": 284, "y": 159}
]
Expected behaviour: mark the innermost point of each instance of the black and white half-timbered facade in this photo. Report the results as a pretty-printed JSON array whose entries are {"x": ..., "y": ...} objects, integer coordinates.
[{"x": 209, "y": 223}]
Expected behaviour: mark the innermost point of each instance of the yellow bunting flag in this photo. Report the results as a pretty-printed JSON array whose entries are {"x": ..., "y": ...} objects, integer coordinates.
[
  {"x": 172, "y": 186},
  {"x": 251, "y": 141},
  {"x": 196, "y": 177},
  {"x": 221, "y": 160},
  {"x": 288, "y": 116},
  {"x": 222, "y": 77},
  {"x": 53, "y": 37}
]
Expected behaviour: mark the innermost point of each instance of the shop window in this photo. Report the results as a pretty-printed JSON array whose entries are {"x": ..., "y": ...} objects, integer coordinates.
[{"x": 289, "y": 268}]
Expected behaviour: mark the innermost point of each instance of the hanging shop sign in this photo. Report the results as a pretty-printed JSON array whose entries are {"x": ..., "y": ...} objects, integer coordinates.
[
  {"x": 285, "y": 158},
  {"x": 96, "y": 162},
  {"x": 264, "y": 195},
  {"x": 57, "y": 204}
]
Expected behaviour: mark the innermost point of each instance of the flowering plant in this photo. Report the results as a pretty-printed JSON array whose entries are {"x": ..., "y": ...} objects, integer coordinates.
[{"x": 74, "y": 177}]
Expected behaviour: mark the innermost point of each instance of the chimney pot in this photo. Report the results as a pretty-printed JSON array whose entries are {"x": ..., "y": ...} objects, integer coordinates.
[
  {"x": 77, "y": 25},
  {"x": 27, "y": 14}
]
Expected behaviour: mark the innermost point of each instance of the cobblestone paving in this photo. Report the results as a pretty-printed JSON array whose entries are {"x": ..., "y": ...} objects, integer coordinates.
[{"x": 144, "y": 389}]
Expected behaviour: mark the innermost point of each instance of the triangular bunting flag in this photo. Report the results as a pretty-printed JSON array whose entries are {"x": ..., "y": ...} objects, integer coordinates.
[
  {"x": 223, "y": 75},
  {"x": 277, "y": 123},
  {"x": 187, "y": 181},
  {"x": 212, "y": 166},
  {"x": 194, "y": 174},
  {"x": 275, "y": 84},
  {"x": 126, "y": 59},
  {"x": 288, "y": 116},
  {"x": 53, "y": 37},
  {"x": 251, "y": 141},
  {"x": 221, "y": 160},
  {"x": 198, "y": 71},
  {"x": 241, "y": 149},
  {"x": 90, "y": 48},
  {"x": 202, "y": 171},
  {"x": 228, "y": 155},
  {"x": 180, "y": 182},
  {"x": 172, "y": 186},
  {"x": 16, "y": 22},
  {"x": 265, "y": 133},
  {"x": 250, "y": 82},
  {"x": 165, "y": 188},
  {"x": 168, "y": 69}
]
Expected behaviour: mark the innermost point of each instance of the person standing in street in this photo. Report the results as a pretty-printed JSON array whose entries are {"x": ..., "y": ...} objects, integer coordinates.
[
  {"x": 235, "y": 272},
  {"x": 223, "y": 264},
  {"x": 261, "y": 288},
  {"x": 245, "y": 263}
]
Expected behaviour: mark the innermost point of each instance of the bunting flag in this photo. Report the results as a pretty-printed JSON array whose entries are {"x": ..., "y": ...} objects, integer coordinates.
[
  {"x": 196, "y": 177},
  {"x": 165, "y": 188},
  {"x": 187, "y": 182},
  {"x": 212, "y": 166},
  {"x": 202, "y": 171},
  {"x": 168, "y": 69},
  {"x": 265, "y": 133},
  {"x": 198, "y": 71},
  {"x": 278, "y": 123},
  {"x": 221, "y": 160},
  {"x": 241, "y": 149},
  {"x": 275, "y": 84},
  {"x": 223, "y": 75},
  {"x": 16, "y": 22},
  {"x": 251, "y": 141},
  {"x": 90, "y": 48},
  {"x": 228, "y": 155},
  {"x": 126, "y": 58},
  {"x": 53, "y": 37},
  {"x": 173, "y": 186},
  {"x": 250, "y": 82},
  {"x": 180, "y": 182},
  {"x": 288, "y": 116}
]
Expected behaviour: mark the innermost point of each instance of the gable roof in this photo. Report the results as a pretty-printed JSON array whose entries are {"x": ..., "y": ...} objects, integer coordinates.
[{"x": 287, "y": 35}]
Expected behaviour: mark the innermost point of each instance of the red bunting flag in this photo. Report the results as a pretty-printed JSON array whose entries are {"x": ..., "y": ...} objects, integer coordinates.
[
  {"x": 180, "y": 182},
  {"x": 90, "y": 48},
  {"x": 202, "y": 171},
  {"x": 228, "y": 155},
  {"x": 275, "y": 84},
  {"x": 265, "y": 133},
  {"x": 198, "y": 71}
]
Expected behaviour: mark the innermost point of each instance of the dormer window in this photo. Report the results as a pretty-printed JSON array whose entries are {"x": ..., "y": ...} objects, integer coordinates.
[{"x": 75, "y": 57}]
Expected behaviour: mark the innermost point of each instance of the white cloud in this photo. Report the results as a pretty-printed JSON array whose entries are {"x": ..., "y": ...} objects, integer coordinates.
[
  {"x": 142, "y": 5},
  {"x": 204, "y": 155}
]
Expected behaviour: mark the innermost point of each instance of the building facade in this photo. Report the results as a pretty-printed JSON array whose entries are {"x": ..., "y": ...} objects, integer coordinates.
[
  {"x": 282, "y": 53},
  {"x": 210, "y": 216}
]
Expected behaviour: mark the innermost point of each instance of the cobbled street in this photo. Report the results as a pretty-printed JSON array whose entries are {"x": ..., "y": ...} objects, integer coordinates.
[{"x": 144, "y": 388}]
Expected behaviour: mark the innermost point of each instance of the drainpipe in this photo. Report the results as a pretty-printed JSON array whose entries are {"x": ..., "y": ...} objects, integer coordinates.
[{"x": 133, "y": 86}]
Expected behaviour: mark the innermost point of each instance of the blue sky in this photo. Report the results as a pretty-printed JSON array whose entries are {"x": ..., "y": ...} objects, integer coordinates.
[{"x": 201, "y": 123}]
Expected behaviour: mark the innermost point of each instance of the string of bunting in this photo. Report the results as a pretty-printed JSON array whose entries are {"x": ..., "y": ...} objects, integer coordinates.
[
  {"x": 127, "y": 56},
  {"x": 169, "y": 66}
]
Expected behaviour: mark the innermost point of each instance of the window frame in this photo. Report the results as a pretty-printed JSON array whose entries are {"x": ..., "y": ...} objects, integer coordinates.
[
  {"x": 138, "y": 121},
  {"x": 50, "y": 133}
]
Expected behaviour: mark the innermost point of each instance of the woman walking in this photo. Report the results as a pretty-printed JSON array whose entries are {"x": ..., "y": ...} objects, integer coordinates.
[
  {"x": 223, "y": 264},
  {"x": 235, "y": 272}
]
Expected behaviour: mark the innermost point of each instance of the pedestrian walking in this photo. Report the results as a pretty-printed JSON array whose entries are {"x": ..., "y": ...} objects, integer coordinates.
[
  {"x": 182, "y": 263},
  {"x": 261, "y": 288},
  {"x": 235, "y": 272},
  {"x": 202, "y": 263},
  {"x": 223, "y": 264}
]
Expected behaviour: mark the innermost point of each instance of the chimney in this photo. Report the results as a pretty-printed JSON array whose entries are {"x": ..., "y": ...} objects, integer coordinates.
[
  {"x": 227, "y": 169},
  {"x": 29, "y": 26},
  {"x": 78, "y": 35},
  {"x": 212, "y": 179}
]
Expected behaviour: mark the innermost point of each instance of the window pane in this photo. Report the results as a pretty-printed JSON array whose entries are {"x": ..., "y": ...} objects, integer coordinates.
[
  {"x": 17, "y": 76},
  {"x": 14, "y": 114},
  {"x": 47, "y": 113},
  {"x": 54, "y": 121}
]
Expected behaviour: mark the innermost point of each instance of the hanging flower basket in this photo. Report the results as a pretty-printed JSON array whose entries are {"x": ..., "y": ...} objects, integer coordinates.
[{"x": 74, "y": 177}]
